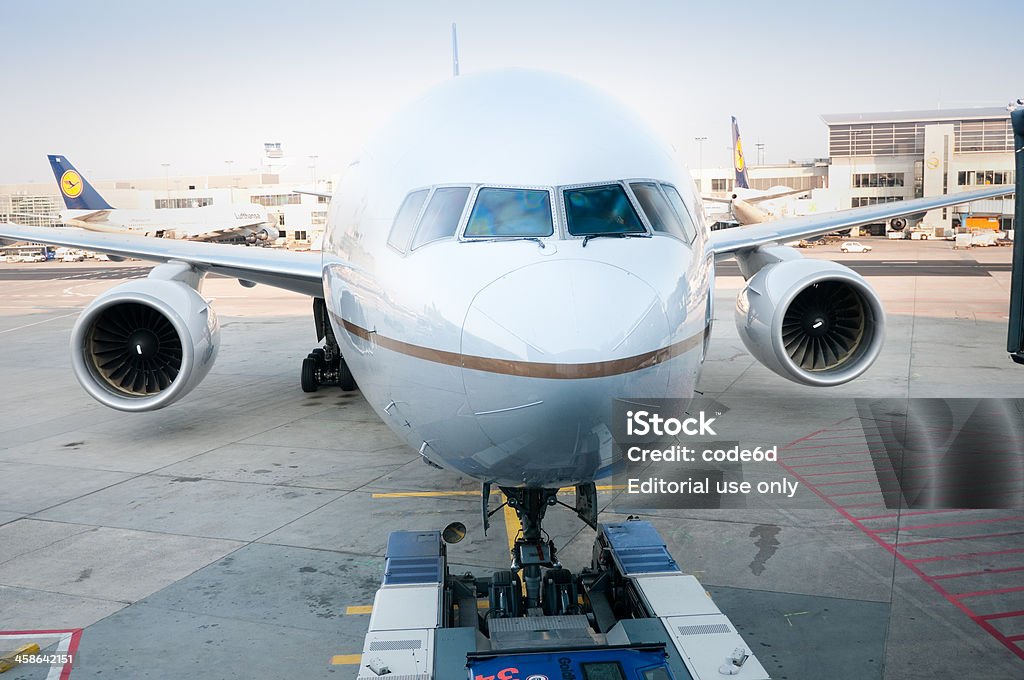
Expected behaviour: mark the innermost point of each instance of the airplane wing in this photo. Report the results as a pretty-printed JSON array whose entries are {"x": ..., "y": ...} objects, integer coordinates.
[
  {"x": 308, "y": 192},
  {"x": 295, "y": 271},
  {"x": 772, "y": 197},
  {"x": 710, "y": 198},
  {"x": 728, "y": 198},
  {"x": 726, "y": 241}
]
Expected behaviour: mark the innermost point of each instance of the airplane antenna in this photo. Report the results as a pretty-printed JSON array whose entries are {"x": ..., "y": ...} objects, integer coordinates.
[{"x": 455, "y": 51}]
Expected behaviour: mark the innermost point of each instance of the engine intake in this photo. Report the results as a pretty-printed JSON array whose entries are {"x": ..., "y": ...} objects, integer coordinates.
[
  {"x": 135, "y": 349},
  {"x": 144, "y": 344},
  {"x": 813, "y": 322}
]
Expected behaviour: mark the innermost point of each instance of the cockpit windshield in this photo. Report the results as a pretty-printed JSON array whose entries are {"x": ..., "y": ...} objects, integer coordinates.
[
  {"x": 668, "y": 219},
  {"x": 605, "y": 209},
  {"x": 510, "y": 212}
]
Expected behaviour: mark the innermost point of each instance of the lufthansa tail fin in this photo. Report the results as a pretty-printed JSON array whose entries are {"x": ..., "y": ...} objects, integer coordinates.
[
  {"x": 739, "y": 163},
  {"x": 77, "y": 192}
]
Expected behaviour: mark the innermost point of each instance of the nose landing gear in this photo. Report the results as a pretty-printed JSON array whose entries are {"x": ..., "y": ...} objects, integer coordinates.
[
  {"x": 325, "y": 365},
  {"x": 547, "y": 585}
]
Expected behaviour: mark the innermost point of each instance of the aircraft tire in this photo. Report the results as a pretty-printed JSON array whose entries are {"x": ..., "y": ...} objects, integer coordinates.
[
  {"x": 345, "y": 379},
  {"x": 309, "y": 382}
]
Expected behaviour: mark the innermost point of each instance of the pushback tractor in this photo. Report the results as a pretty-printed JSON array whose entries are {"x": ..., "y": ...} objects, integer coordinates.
[{"x": 631, "y": 615}]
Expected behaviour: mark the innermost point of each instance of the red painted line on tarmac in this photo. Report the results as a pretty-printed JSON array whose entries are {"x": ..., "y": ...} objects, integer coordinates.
[
  {"x": 993, "y": 591},
  {"x": 865, "y": 505},
  {"x": 827, "y": 453},
  {"x": 965, "y": 556},
  {"x": 852, "y": 493},
  {"x": 835, "y": 446},
  {"x": 805, "y": 438},
  {"x": 1015, "y": 638},
  {"x": 947, "y": 539},
  {"x": 841, "y": 462},
  {"x": 836, "y": 472},
  {"x": 905, "y": 514},
  {"x": 873, "y": 480},
  {"x": 910, "y": 564},
  {"x": 76, "y": 637},
  {"x": 969, "y": 522},
  {"x": 1003, "y": 615},
  {"x": 983, "y": 572}
]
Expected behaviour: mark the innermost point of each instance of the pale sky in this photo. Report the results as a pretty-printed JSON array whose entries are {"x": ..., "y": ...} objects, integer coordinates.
[{"x": 121, "y": 87}]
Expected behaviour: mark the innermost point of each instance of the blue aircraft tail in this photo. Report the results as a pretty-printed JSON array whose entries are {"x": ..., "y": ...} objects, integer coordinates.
[
  {"x": 739, "y": 163},
  {"x": 77, "y": 192}
]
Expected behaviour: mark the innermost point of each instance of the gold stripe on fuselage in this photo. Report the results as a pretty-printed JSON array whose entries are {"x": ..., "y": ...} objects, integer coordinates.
[{"x": 530, "y": 369}]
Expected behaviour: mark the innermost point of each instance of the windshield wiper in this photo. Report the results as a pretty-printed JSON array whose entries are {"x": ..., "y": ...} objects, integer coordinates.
[{"x": 612, "y": 234}]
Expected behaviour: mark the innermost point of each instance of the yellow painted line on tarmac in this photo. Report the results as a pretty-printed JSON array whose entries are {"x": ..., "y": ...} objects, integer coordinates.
[
  {"x": 511, "y": 525},
  {"x": 358, "y": 609},
  {"x": 9, "y": 661},
  {"x": 439, "y": 494},
  {"x": 424, "y": 494},
  {"x": 346, "y": 659}
]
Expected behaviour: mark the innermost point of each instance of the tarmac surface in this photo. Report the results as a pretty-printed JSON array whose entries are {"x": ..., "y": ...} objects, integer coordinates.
[{"x": 241, "y": 532}]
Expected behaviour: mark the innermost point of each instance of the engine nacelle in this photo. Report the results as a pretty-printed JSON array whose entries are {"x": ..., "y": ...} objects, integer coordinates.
[
  {"x": 814, "y": 322},
  {"x": 144, "y": 344},
  {"x": 268, "y": 233},
  {"x": 265, "y": 234}
]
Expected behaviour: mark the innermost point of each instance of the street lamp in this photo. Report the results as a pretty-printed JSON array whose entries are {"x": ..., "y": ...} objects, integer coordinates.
[
  {"x": 167, "y": 179},
  {"x": 700, "y": 158}
]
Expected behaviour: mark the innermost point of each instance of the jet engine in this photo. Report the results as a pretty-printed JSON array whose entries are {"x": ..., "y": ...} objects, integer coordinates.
[
  {"x": 264, "y": 235},
  {"x": 811, "y": 321},
  {"x": 144, "y": 344}
]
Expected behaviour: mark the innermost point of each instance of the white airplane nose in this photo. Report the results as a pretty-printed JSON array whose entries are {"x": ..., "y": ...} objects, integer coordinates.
[
  {"x": 564, "y": 320},
  {"x": 545, "y": 351}
]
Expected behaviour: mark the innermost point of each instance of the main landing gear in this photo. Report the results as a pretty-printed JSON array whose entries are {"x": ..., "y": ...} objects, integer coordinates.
[{"x": 325, "y": 365}]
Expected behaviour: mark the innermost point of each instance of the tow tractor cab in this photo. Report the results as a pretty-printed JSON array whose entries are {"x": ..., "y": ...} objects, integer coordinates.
[{"x": 631, "y": 615}]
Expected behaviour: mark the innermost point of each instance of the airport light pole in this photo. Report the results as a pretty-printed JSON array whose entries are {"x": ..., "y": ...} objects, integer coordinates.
[
  {"x": 700, "y": 158},
  {"x": 760, "y": 153},
  {"x": 230, "y": 165},
  {"x": 313, "y": 158},
  {"x": 167, "y": 179}
]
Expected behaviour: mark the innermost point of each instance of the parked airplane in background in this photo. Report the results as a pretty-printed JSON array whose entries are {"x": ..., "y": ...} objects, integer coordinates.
[
  {"x": 87, "y": 209},
  {"x": 508, "y": 256},
  {"x": 744, "y": 202}
]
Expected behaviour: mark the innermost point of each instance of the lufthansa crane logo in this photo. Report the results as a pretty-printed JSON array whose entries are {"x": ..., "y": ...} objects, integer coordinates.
[
  {"x": 739, "y": 156},
  {"x": 71, "y": 184}
]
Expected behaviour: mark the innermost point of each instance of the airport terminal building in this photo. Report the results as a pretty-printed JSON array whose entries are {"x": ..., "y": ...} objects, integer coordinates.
[
  {"x": 896, "y": 156},
  {"x": 882, "y": 157},
  {"x": 299, "y": 218}
]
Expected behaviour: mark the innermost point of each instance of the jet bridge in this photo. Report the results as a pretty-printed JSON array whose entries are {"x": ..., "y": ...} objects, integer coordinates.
[
  {"x": 631, "y": 615},
  {"x": 1015, "y": 338}
]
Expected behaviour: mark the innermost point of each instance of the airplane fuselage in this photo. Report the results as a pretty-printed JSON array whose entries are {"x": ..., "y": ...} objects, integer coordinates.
[
  {"x": 500, "y": 357},
  {"x": 183, "y": 222}
]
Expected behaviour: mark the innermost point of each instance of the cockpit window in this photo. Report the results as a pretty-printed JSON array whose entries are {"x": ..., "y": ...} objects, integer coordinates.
[
  {"x": 441, "y": 218},
  {"x": 689, "y": 228},
  {"x": 600, "y": 210},
  {"x": 405, "y": 220},
  {"x": 510, "y": 212},
  {"x": 659, "y": 213}
]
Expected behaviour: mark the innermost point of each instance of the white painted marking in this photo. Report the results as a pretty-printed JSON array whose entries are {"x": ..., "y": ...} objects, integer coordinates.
[
  {"x": 138, "y": 348},
  {"x": 28, "y": 325}
]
